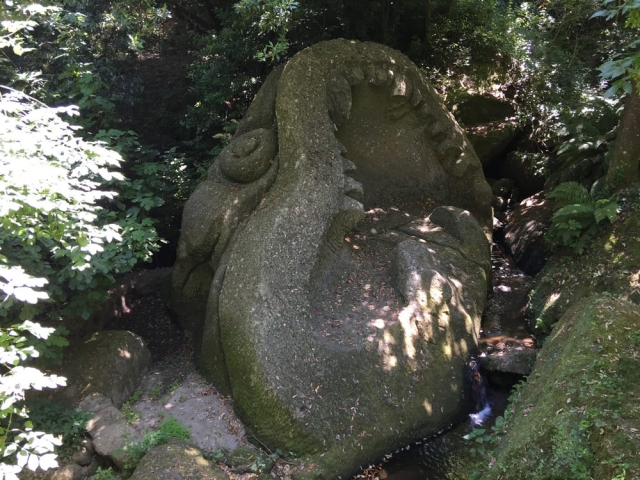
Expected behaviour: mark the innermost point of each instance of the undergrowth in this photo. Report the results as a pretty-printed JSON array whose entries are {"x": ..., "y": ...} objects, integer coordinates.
[
  {"x": 69, "y": 425},
  {"x": 167, "y": 430},
  {"x": 576, "y": 222}
]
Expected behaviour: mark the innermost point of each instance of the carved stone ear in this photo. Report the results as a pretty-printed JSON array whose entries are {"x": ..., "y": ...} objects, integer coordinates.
[{"x": 249, "y": 156}]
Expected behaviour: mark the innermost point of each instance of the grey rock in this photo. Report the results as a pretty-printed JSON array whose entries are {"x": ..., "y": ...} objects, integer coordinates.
[
  {"x": 82, "y": 456},
  {"x": 176, "y": 460},
  {"x": 513, "y": 360},
  {"x": 110, "y": 433},
  {"x": 525, "y": 232},
  {"x": 111, "y": 362},
  {"x": 361, "y": 137},
  {"x": 70, "y": 471}
]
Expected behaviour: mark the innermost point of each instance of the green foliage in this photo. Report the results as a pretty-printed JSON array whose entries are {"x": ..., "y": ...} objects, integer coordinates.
[
  {"x": 575, "y": 223},
  {"x": 55, "y": 226},
  {"x": 105, "y": 474},
  {"x": 156, "y": 391},
  {"x": 68, "y": 425},
  {"x": 623, "y": 67},
  {"x": 270, "y": 18},
  {"x": 167, "y": 430},
  {"x": 171, "y": 428},
  {"x": 20, "y": 445}
]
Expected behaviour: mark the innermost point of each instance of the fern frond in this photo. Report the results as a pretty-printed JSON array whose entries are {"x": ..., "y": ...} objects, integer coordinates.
[
  {"x": 571, "y": 193},
  {"x": 574, "y": 212},
  {"x": 605, "y": 209}
]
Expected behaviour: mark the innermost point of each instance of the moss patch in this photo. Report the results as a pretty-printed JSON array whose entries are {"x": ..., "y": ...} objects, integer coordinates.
[
  {"x": 578, "y": 416},
  {"x": 610, "y": 266}
]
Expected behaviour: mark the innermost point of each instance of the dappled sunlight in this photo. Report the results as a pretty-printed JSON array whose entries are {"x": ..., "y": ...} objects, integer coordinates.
[
  {"x": 124, "y": 353},
  {"x": 550, "y": 303},
  {"x": 386, "y": 351},
  {"x": 369, "y": 305}
]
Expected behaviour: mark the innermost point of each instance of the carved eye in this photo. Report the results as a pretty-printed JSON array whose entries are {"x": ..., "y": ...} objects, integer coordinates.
[{"x": 249, "y": 156}]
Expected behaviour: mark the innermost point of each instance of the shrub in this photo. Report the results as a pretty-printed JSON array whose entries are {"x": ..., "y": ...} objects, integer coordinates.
[
  {"x": 575, "y": 223},
  {"x": 167, "y": 430},
  {"x": 68, "y": 425}
]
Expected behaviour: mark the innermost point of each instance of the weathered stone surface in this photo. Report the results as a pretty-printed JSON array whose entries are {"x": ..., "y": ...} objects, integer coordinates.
[
  {"x": 70, "y": 471},
  {"x": 249, "y": 460},
  {"x": 519, "y": 360},
  {"x": 110, "y": 362},
  {"x": 520, "y": 167},
  {"x": 525, "y": 232},
  {"x": 82, "y": 456},
  {"x": 578, "y": 409},
  {"x": 176, "y": 460},
  {"x": 109, "y": 433},
  {"x": 490, "y": 141},
  {"x": 287, "y": 280}
]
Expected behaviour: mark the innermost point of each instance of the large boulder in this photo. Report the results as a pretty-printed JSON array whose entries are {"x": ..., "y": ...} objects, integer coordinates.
[
  {"x": 111, "y": 362},
  {"x": 177, "y": 460},
  {"x": 577, "y": 416},
  {"x": 336, "y": 282},
  {"x": 490, "y": 125}
]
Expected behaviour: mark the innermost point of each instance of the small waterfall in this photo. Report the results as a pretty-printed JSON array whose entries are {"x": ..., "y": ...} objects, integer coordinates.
[{"x": 480, "y": 395}]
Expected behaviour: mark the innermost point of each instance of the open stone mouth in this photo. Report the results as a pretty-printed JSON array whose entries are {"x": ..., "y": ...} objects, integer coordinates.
[
  {"x": 359, "y": 303},
  {"x": 358, "y": 306}
]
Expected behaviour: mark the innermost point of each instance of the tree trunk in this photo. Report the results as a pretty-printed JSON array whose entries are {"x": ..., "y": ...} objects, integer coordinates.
[{"x": 625, "y": 157}]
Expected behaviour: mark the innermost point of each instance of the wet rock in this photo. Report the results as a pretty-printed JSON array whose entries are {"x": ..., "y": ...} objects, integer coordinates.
[
  {"x": 519, "y": 360},
  {"x": 562, "y": 407}
]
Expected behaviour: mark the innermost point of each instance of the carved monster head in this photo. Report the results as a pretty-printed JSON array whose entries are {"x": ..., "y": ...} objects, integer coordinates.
[{"x": 348, "y": 299}]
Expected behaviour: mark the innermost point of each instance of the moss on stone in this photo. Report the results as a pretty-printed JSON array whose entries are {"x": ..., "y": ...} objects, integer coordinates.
[{"x": 578, "y": 415}]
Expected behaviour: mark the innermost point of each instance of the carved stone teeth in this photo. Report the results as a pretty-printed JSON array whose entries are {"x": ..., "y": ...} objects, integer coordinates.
[
  {"x": 376, "y": 75},
  {"x": 352, "y": 204},
  {"x": 436, "y": 132},
  {"x": 416, "y": 98},
  {"x": 401, "y": 87},
  {"x": 354, "y": 75},
  {"x": 353, "y": 189},
  {"x": 449, "y": 150},
  {"x": 460, "y": 166},
  {"x": 348, "y": 166}
]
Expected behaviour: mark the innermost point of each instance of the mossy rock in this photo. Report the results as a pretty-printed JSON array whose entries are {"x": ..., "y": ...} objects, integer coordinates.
[
  {"x": 578, "y": 415},
  {"x": 177, "y": 460},
  {"x": 610, "y": 266}
]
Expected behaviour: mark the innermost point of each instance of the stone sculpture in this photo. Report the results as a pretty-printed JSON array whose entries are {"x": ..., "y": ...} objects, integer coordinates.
[{"x": 333, "y": 266}]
